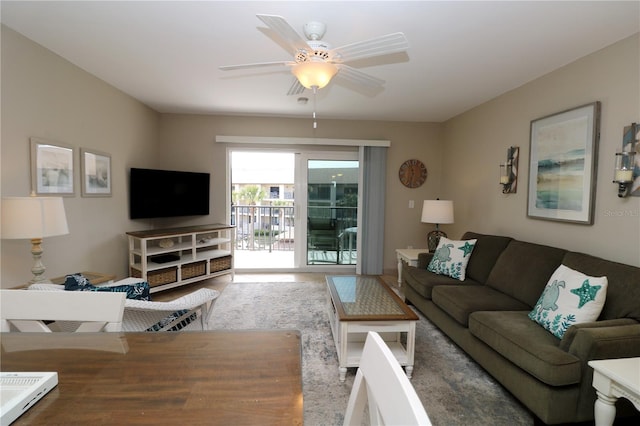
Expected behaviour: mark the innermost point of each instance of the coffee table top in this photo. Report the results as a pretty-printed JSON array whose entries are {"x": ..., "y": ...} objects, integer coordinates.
[{"x": 359, "y": 297}]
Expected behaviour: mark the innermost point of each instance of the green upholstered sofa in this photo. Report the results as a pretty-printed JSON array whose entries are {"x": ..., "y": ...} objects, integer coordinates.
[{"x": 487, "y": 316}]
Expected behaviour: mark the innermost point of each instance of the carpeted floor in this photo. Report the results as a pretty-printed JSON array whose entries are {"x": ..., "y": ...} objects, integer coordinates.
[{"x": 453, "y": 389}]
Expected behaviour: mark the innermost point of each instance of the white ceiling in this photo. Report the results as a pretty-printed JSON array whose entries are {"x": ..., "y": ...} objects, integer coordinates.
[{"x": 167, "y": 53}]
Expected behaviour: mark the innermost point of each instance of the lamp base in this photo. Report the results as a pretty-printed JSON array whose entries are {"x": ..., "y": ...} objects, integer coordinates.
[
  {"x": 38, "y": 267},
  {"x": 433, "y": 238}
]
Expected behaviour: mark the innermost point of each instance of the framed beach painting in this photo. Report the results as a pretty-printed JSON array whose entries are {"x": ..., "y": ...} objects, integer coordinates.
[
  {"x": 52, "y": 168},
  {"x": 563, "y": 165},
  {"x": 96, "y": 173}
]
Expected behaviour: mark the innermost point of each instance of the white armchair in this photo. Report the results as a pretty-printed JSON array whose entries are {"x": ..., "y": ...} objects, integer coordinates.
[{"x": 189, "y": 312}]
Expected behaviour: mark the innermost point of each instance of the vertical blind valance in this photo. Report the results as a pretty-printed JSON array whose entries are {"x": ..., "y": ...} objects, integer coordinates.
[{"x": 271, "y": 140}]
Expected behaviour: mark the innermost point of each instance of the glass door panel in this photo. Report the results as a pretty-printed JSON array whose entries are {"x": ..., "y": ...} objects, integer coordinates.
[{"x": 332, "y": 211}]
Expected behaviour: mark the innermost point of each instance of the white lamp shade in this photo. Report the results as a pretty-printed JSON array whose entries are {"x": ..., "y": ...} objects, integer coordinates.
[
  {"x": 437, "y": 211},
  {"x": 314, "y": 73},
  {"x": 33, "y": 217}
]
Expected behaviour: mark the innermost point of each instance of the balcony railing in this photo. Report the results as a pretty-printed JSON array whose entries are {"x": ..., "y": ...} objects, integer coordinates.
[
  {"x": 331, "y": 235},
  {"x": 266, "y": 228},
  {"x": 330, "y": 231}
]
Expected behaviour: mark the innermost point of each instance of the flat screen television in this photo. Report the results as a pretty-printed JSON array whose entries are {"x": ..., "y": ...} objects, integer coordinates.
[{"x": 167, "y": 193}]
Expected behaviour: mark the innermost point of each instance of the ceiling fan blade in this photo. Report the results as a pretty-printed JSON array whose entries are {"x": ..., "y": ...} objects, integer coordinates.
[
  {"x": 383, "y": 45},
  {"x": 351, "y": 74},
  {"x": 255, "y": 65},
  {"x": 285, "y": 31},
  {"x": 296, "y": 88}
]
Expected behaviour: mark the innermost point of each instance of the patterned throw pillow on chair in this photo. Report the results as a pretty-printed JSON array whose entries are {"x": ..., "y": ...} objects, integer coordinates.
[
  {"x": 451, "y": 258},
  {"x": 570, "y": 297},
  {"x": 137, "y": 291}
]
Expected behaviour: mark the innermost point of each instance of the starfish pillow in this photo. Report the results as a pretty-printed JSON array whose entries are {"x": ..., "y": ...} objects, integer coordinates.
[
  {"x": 451, "y": 258},
  {"x": 570, "y": 297}
]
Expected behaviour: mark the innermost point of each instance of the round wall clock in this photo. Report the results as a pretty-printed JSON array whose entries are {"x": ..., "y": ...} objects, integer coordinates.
[{"x": 412, "y": 173}]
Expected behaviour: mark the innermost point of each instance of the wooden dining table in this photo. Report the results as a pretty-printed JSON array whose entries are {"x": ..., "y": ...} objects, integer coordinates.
[{"x": 211, "y": 377}]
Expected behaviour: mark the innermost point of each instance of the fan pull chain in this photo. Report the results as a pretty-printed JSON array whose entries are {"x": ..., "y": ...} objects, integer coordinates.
[{"x": 315, "y": 92}]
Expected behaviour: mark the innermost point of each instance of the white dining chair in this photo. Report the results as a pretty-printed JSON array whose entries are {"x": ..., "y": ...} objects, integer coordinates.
[
  {"x": 382, "y": 384},
  {"x": 23, "y": 310},
  {"x": 191, "y": 312}
]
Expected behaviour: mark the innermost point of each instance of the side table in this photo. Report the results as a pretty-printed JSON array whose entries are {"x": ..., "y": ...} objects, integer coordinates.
[
  {"x": 410, "y": 256},
  {"x": 96, "y": 278},
  {"x": 612, "y": 379}
]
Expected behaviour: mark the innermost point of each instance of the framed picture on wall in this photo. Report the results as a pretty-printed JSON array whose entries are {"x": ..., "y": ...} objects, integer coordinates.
[
  {"x": 52, "y": 168},
  {"x": 96, "y": 173},
  {"x": 563, "y": 165}
]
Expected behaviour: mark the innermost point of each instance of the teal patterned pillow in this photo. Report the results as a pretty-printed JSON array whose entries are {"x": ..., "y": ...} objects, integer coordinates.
[
  {"x": 451, "y": 258},
  {"x": 570, "y": 297}
]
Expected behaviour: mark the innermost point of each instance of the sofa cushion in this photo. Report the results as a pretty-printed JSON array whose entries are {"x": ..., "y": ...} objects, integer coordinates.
[
  {"x": 451, "y": 258},
  {"x": 523, "y": 342},
  {"x": 570, "y": 297},
  {"x": 485, "y": 254},
  {"x": 423, "y": 281},
  {"x": 462, "y": 300},
  {"x": 424, "y": 259},
  {"x": 523, "y": 270},
  {"x": 623, "y": 291}
]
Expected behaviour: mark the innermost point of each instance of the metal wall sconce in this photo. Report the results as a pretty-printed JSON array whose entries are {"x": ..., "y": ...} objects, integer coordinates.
[
  {"x": 509, "y": 171},
  {"x": 623, "y": 174},
  {"x": 624, "y": 171}
]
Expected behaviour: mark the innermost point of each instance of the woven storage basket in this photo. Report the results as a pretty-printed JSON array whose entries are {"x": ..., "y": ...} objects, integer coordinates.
[
  {"x": 159, "y": 276},
  {"x": 191, "y": 270},
  {"x": 220, "y": 264}
]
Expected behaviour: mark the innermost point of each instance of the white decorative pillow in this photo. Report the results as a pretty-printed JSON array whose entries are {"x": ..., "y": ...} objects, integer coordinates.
[
  {"x": 451, "y": 258},
  {"x": 570, "y": 297}
]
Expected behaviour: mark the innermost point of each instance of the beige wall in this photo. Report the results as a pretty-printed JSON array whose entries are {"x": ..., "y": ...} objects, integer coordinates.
[
  {"x": 188, "y": 143},
  {"x": 477, "y": 141},
  {"x": 45, "y": 96}
]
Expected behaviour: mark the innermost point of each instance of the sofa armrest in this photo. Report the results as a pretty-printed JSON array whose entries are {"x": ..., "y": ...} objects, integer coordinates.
[
  {"x": 570, "y": 334},
  {"x": 424, "y": 259},
  {"x": 621, "y": 341}
]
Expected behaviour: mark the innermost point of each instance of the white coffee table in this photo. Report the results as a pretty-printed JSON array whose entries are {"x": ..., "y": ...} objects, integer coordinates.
[
  {"x": 410, "y": 256},
  {"x": 359, "y": 304},
  {"x": 613, "y": 379}
]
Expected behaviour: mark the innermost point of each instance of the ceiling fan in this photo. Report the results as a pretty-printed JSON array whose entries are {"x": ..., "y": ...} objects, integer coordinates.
[{"x": 315, "y": 63}]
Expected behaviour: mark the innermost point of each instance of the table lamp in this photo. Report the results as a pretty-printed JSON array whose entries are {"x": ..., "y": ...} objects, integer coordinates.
[
  {"x": 33, "y": 218},
  {"x": 436, "y": 211}
]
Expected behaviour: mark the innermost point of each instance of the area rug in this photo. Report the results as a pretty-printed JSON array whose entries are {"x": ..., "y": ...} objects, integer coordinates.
[{"x": 453, "y": 389}]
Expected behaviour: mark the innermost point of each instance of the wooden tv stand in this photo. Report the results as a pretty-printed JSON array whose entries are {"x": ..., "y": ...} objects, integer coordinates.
[{"x": 171, "y": 257}]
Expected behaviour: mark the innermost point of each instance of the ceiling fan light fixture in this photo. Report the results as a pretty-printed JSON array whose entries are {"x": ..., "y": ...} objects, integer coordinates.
[{"x": 314, "y": 73}]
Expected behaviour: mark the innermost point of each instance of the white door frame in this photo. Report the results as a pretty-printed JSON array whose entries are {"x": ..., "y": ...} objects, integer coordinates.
[{"x": 300, "y": 202}]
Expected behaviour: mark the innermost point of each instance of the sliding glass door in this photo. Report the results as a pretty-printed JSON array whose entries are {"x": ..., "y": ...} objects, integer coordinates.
[
  {"x": 329, "y": 208},
  {"x": 295, "y": 211}
]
